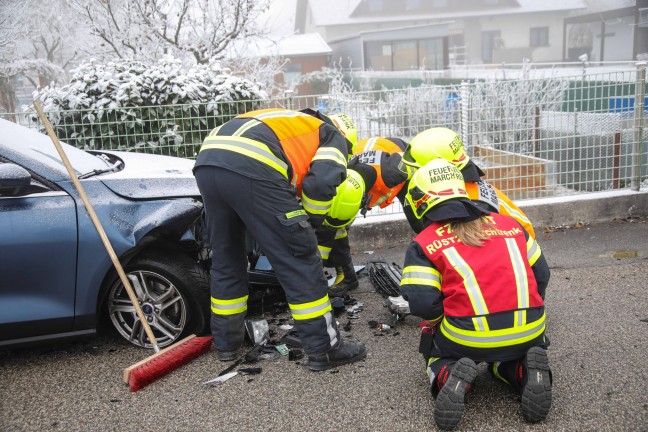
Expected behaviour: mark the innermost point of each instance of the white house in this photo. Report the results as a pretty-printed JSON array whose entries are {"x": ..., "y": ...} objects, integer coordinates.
[{"x": 435, "y": 34}]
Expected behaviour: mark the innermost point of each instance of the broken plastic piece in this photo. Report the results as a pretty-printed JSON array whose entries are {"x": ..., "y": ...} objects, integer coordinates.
[
  {"x": 258, "y": 331},
  {"x": 250, "y": 371},
  {"x": 378, "y": 326},
  {"x": 385, "y": 277},
  {"x": 398, "y": 305},
  {"x": 337, "y": 303},
  {"x": 252, "y": 356},
  {"x": 347, "y": 326},
  {"x": 282, "y": 349},
  {"x": 232, "y": 366},
  {"x": 295, "y": 354},
  {"x": 291, "y": 340},
  {"x": 356, "y": 308},
  {"x": 221, "y": 379}
]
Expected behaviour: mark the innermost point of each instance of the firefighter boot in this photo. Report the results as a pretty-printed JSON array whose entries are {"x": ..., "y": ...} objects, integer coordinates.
[
  {"x": 225, "y": 356},
  {"x": 449, "y": 405},
  {"x": 345, "y": 280},
  {"x": 347, "y": 351},
  {"x": 536, "y": 385}
]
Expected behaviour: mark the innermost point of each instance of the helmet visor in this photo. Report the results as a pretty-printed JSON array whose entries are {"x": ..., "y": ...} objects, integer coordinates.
[
  {"x": 408, "y": 159},
  {"x": 407, "y": 167}
]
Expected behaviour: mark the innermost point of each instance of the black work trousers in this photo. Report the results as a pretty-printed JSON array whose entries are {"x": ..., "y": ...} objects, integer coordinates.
[
  {"x": 270, "y": 211},
  {"x": 336, "y": 243}
]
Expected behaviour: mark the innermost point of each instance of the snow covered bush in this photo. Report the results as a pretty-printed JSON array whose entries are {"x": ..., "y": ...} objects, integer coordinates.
[{"x": 163, "y": 108}]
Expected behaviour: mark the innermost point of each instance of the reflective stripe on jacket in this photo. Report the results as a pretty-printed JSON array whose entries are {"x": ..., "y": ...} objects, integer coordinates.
[
  {"x": 495, "y": 198},
  {"x": 311, "y": 154},
  {"x": 480, "y": 286}
]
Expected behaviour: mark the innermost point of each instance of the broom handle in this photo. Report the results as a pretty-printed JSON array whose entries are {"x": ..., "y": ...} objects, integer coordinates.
[{"x": 98, "y": 226}]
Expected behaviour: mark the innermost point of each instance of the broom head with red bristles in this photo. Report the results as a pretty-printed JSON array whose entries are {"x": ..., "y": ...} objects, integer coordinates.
[{"x": 167, "y": 360}]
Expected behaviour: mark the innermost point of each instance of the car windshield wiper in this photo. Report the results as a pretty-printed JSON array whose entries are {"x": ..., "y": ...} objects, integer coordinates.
[{"x": 112, "y": 168}]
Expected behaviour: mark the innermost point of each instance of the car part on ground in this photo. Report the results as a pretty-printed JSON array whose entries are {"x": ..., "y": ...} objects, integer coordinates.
[{"x": 385, "y": 277}]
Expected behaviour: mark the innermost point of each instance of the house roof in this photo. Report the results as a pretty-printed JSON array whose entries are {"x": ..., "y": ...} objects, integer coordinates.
[
  {"x": 308, "y": 44},
  {"x": 340, "y": 12},
  {"x": 392, "y": 29}
]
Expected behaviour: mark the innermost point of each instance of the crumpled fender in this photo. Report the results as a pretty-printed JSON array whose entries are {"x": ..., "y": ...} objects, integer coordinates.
[{"x": 137, "y": 220}]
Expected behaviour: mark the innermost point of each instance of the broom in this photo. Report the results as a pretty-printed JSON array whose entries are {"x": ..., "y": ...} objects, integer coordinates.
[{"x": 162, "y": 362}]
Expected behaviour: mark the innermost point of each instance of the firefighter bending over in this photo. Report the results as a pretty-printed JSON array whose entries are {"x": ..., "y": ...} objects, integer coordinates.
[{"x": 251, "y": 172}]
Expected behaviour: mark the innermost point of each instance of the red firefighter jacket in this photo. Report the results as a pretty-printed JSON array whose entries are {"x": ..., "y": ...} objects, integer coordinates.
[{"x": 485, "y": 297}]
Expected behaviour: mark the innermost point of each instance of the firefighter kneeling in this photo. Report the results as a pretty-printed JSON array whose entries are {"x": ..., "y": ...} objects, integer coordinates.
[{"x": 478, "y": 279}]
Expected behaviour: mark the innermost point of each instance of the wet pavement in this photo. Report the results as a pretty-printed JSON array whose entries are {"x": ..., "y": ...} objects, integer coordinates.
[{"x": 597, "y": 305}]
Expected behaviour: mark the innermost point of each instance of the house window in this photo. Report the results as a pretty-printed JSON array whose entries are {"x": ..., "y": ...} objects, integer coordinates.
[
  {"x": 405, "y": 55},
  {"x": 438, "y": 4},
  {"x": 378, "y": 55},
  {"x": 431, "y": 56},
  {"x": 539, "y": 36},
  {"x": 292, "y": 73},
  {"x": 490, "y": 39}
]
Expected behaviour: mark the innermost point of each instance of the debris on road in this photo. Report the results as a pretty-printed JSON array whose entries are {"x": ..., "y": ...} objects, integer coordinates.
[
  {"x": 385, "y": 277},
  {"x": 221, "y": 379},
  {"x": 295, "y": 354},
  {"x": 379, "y": 326}
]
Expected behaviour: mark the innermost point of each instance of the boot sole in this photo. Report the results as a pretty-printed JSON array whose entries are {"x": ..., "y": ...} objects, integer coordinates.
[
  {"x": 449, "y": 405},
  {"x": 321, "y": 365},
  {"x": 536, "y": 394}
]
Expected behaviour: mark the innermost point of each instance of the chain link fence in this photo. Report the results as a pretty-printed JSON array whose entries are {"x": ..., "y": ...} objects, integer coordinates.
[{"x": 544, "y": 137}]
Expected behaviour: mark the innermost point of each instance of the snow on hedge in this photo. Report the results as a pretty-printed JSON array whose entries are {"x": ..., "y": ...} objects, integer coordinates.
[{"x": 163, "y": 108}]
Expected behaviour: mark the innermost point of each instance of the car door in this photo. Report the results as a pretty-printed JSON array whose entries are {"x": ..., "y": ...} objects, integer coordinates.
[{"x": 38, "y": 255}]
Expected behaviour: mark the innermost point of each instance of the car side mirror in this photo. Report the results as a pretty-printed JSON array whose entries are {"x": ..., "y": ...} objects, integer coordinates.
[{"x": 13, "y": 179}]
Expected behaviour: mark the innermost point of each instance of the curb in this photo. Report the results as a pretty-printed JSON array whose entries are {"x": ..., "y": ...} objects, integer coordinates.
[{"x": 378, "y": 232}]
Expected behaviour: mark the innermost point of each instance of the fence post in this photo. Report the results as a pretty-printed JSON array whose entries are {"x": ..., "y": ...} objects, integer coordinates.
[
  {"x": 640, "y": 95},
  {"x": 465, "y": 112},
  {"x": 536, "y": 132},
  {"x": 615, "y": 161},
  {"x": 288, "y": 94}
]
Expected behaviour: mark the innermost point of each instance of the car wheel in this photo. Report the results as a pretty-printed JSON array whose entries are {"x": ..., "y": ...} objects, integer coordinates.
[{"x": 173, "y": 292}]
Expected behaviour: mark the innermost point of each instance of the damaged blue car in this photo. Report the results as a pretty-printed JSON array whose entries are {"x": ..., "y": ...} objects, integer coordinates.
[{"x": 56, "y": 278}]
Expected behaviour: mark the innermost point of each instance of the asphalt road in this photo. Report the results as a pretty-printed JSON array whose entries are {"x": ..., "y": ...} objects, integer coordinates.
[{"x": 597, "y": 305}]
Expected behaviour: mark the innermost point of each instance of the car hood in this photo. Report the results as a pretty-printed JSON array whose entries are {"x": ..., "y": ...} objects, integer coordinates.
[{"x": 147, "y": 176}]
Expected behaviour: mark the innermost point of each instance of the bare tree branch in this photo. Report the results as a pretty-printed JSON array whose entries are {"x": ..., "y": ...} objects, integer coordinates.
[{"x": 200, "y": 30}]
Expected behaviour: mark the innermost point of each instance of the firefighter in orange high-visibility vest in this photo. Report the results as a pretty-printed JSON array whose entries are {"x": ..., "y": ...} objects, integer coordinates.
[
  {"x": 478, "y": 280},
  {"x": 274, "y": 173},
  {"x": 440, "y": 142},
  {"x": 376, "y": 165}
]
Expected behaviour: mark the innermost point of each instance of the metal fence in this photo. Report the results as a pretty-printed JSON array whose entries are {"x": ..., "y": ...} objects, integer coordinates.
[{"x": 544, "y": 137}]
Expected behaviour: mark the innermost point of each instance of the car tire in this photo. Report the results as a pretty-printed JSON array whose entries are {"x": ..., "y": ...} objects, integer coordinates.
[{"x": 173, "y": 292}]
